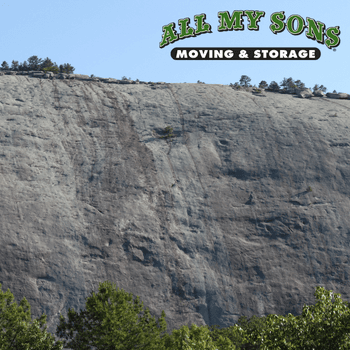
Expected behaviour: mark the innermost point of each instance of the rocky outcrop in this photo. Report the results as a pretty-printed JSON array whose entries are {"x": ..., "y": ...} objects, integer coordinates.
[
  {"x": 302, "y": 93},
  {"x": 82, "y": 77},
  {"x": 207, "y": 202}
]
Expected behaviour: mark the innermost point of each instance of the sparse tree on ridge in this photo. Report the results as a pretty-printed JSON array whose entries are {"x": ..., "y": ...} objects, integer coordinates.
[
  {"x": 273, "y": 86},
  {"x": 14, "y": 66},
  {"x": 299, "y": 84},
  {"x": 47, "y": 63},
  {"x": 23, "y": 66},
  {"x": 263, "y": 84},
  {"x": 244, "y": 80},
  {"x": 290, "y": 84},
  {"x": 34, "y": 63},
  {"x": 4, "y": 66},
  {"x": 49, "y": 66},
  {"x": 287, "y": 83},
  {"x": 66, "y": 68},
  {"x": 321, "y": 88}
]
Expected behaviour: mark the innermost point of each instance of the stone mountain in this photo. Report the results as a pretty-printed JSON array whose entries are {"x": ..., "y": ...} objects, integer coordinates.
[{"x": 207, "y": 202}]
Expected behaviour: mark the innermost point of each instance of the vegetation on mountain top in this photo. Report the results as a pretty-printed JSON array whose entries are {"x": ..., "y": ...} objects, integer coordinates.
[
  {"x": 35, "y": 64},
  {"x": 287, "y": 84}
]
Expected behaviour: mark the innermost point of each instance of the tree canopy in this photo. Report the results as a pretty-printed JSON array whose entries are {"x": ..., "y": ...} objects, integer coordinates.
[
  {"x": 112, "y": 320},
  {"x": 35, "y": 64},
  {"x": 17, "y": 332},
  {"x": 321, "y": 326}
]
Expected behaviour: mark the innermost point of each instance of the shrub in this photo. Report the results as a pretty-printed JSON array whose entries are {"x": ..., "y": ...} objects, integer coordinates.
[
  {"x": 51, "y": 69},
  {"x": 274, "y": 86},
  {"x": 263, "y": 84},
  {"x": 169, "y": 131}
]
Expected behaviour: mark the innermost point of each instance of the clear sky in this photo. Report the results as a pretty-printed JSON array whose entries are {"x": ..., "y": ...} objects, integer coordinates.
[{"x": 121, "y": 38}]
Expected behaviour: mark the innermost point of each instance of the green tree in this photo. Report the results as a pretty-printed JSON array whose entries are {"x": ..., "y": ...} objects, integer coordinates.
[
  {"x": 14, "y": 65},
  {"x": 111, "y": 321},
  {"x": 66, "y": 68},
  {"x": 47, "y": 63},
  {"x": 263, "y": 84},
  {"x": 4, "y": 66},
  {"x": 273, "y": 86},
  {"x": 244, "y": 80},
  {"x": 196, "y": 338},
  {"x": 237, "y": 334},
  {"x": 322, "y": 326},
  {"x": 23, "y": 66},
  {"x": 34, "y": 63},
  {"x": 321, "y": 88},
  {"x": 287, "y": 83},
  {"x": 49, "y": 66},
  {"x": 16, "y": 331},
  {"x": 299, "y": 84}
]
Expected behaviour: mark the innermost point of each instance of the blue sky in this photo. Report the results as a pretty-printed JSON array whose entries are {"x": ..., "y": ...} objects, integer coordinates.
[{"x": 121, "y": 38}]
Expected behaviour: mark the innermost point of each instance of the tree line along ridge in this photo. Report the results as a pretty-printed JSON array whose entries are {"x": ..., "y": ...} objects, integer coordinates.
[{"x": 36, "y": 64}]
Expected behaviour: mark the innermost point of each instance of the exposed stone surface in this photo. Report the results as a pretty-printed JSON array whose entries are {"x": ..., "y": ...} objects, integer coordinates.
[
  {"x": 319, "y": 93},
  {"x": 304, "y": 93},
  {"x": 215, "y": 224},
  {"x": 340, "y": 95}
]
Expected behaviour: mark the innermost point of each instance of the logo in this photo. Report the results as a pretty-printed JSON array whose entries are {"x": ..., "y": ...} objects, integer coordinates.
[{"x": 315, "y": 31}]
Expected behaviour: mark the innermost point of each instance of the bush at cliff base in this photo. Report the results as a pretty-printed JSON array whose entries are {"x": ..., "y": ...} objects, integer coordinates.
[
  {"x": 111, "y": 321},
  {"x": 196, "y": 338},
  {"x": 322, "y": 326}
]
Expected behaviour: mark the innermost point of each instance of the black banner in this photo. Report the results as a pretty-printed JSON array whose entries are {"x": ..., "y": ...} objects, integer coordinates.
[{"x": 247, "y": 53}]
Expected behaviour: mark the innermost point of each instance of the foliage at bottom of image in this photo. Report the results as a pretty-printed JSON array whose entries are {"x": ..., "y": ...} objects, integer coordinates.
[{"x": 111, "y": 321}]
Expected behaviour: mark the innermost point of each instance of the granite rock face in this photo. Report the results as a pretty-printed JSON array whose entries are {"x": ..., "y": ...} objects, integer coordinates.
[{"x": 243, "y": 210}]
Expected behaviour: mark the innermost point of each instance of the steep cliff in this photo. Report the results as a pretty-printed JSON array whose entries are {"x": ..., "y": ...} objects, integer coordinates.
[{"x": 243, "y": 211}]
